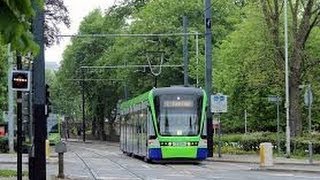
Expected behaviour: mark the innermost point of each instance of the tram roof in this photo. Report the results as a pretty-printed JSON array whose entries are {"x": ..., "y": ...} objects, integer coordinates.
[{"x": 158, "y": 91}]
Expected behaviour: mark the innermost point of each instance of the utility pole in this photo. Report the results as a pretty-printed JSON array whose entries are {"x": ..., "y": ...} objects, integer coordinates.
[
  {"x": 308, "y": 99},
  {"x": 287, "y": 103},
  {"x": 19, "y": 125},
  {"x": 197, "y": 57},
  {"x": 38, "y": 157},
  {"x": 185, "y": 50},
  {"x": 278, "y": 124},
  {"x": 83, "y": 109},
  {"x": 245, "y": 121},
  {"x": 208, "y": 75},
  {"x": 10, "y": 102}
]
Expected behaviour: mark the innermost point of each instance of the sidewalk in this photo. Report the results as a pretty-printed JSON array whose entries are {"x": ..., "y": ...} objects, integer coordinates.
[
  {"x": 280, "y": 163},
  {"x": 12, "y": 158}
]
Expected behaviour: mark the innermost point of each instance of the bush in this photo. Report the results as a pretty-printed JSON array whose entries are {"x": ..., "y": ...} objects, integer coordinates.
[
  {"x": 251, "y": 142},
  {"x": 4, "y": 146}
]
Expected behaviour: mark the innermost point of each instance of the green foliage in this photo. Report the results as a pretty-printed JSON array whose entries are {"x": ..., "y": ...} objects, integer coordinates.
[
  {"x": 11, "y": 173},
  {"x": 248, "y": 143},
  {"x": 246, "y": 71},
  {"x": 15, "y": 16},
  {"x": 4, "y": 146},
  {"x": 3, "y": 77}
]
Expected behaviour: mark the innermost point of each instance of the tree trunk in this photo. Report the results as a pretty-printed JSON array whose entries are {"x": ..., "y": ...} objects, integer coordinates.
[
  {"x": 94, "y": 126},
  {"x": 295, "y": 109},
  {"x": 100, "y": 119},
  {"x": 102, "y": 134}
]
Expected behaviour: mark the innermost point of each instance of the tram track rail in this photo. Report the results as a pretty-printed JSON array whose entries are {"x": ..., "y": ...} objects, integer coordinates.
[
  {"x": 93, "y": 151},
  {"x": 87, "y": 166},
  {"x": 173, "y": 166}
]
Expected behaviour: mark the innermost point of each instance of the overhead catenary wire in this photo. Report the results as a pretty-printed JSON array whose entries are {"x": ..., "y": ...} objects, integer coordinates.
[{"x": 128, "y": 35}]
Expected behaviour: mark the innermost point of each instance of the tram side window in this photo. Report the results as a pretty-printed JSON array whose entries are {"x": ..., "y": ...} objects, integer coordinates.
[
  {"x": 145, "y": 118},
  {"x": 204, "y": 131},
  {"x": 138, "y": 122},
  {"x": 151, "y": 132}
]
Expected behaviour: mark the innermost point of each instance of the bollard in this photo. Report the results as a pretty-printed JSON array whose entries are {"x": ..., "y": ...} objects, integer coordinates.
[
  {"x": 61, "y": 148},
  {"x": 61, "y": 173},
  {"x": 266, "y": 158},
  {"x": 47, "y": 149}
]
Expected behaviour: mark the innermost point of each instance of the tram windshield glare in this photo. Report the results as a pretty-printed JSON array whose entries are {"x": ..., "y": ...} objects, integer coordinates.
[
  {"x": 178, "y": 115},
  {"x": 54, "y": 129}
]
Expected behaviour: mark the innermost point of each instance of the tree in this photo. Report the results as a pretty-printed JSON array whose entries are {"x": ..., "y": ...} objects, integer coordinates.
[
  {"x": 304, "y": 17},
  {"x": 55, "y": 14},
  {"x": 245, "y": 70},
  {"x": 15, "y": 18},
  {"x": 3, "y": 77}
]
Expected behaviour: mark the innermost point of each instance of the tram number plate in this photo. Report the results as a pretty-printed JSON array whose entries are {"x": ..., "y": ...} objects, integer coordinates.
[{"x": 180, "y": 143}]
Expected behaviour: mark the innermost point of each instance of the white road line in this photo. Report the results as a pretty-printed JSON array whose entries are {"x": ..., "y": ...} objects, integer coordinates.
[
  {"x": 102, "y": 178},
  {"x": 307, "y": 177},
  {"x": 282, "y": 174},
  {"x": 146, "y": 166}
]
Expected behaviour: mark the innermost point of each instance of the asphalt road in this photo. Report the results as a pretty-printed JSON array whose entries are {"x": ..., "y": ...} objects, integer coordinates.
[{"x": 102, "y": 161}]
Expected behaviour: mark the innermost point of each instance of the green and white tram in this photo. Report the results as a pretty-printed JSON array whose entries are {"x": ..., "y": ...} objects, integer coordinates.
[{"x": 164, "y": 124}]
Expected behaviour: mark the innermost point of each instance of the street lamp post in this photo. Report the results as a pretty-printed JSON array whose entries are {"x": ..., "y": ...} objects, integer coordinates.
[{"x": 287, "y": 104}]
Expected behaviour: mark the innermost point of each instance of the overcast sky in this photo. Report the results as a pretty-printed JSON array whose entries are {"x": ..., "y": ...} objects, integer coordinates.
[{"x": 77, "y": 10}]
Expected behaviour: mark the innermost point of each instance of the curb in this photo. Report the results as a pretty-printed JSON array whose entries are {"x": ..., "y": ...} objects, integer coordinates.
[
  {"x": 231, "y": 161},
  {"x": 13, "y": 162},
  {"x": 274, "y": 168},
  {"x": 86, "y": 142},
  {"x": 255, "y": 162},
  {"x": 285, "y": 170}
]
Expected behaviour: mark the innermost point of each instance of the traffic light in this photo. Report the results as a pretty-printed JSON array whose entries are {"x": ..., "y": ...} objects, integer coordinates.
[
  {"x": 20, "y": 80},
  {"x": 48, "y": 102}
]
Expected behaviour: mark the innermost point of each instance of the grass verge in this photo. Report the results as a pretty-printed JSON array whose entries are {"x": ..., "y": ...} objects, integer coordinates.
[{"x": 11, "y": 173}]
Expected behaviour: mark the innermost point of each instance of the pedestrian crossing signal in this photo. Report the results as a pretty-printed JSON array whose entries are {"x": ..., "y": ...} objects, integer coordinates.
[{"x": 20, "y": 80}]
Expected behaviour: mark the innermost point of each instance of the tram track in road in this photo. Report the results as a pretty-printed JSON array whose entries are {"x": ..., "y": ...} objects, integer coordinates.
[
  {"x": 87, "y": 166},
  {"x": 93, "y": 151},
  {"x": 178, "y": 170},
  {"x": 187, "y": 172}
]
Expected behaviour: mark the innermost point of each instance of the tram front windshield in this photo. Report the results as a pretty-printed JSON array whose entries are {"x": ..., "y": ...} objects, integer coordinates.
[{"x": 178, "y": 115}]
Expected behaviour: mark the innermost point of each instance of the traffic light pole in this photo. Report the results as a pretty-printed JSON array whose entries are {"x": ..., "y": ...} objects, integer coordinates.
[
  {"x": 38, "y": 157},
  {"x": 19, "y": 126},
  {"x": 208, "y": 75}
]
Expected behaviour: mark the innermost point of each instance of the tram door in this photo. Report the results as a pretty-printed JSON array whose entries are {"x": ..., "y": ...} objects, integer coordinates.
[{"x": 143, "y": 132}]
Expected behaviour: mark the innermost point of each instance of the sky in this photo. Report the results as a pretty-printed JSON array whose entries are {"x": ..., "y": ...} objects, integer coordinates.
[{"x": 78, "y": 9}]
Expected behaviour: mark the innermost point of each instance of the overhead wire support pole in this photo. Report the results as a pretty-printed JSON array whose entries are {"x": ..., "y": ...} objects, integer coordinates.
[
  {"x": 287, "y": 103},
  {"x": 185, "y": 50},
  {"x": 37, "y": 156},
  {"x": 197, "y": 57},
  {"x": 208, "y": 73},
  {"x": 10, "y": 103},
  {"x": 83, "y": 108}
]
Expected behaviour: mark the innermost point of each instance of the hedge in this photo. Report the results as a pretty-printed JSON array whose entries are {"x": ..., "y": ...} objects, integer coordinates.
[
  {"x": 4, "y": 147},
  {"x": 251, "y": 141}
]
